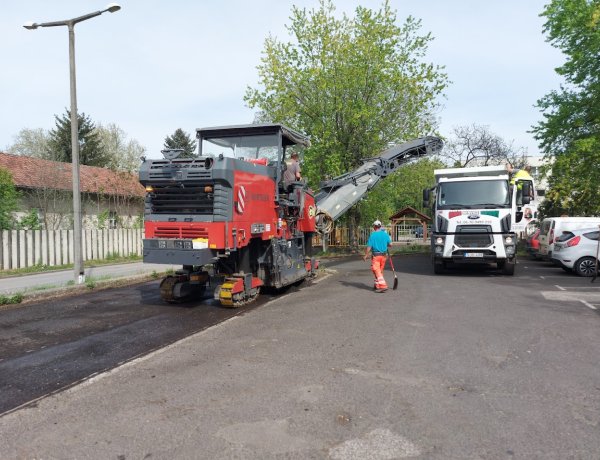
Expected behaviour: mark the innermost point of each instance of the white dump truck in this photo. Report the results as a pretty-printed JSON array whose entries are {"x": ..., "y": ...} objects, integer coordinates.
[{"x": 477, "y": 213}]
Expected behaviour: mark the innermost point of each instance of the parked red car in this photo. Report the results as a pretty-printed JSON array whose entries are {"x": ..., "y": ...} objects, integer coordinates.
[{"x": 533, "y": 244}]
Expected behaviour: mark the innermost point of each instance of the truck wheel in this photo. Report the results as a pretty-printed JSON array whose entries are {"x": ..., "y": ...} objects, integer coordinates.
[
  {"x": 507, "y": 267},
  {"x": 438, "y": 268},
  {"x": 586, "y": 266}
]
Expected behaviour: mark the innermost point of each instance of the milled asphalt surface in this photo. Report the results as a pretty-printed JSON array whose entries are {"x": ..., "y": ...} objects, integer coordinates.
[
  {"x": 50, "y": 345},
  {"x": 466, "y": 365}
]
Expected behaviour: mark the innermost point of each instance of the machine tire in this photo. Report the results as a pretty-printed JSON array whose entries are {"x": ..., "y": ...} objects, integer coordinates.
[
  {"x": 586, "y": 266},
  {"x": 439, "y": 268},
  {"x": 166, "y": 289},
  {"x": 507, "y": 267}
]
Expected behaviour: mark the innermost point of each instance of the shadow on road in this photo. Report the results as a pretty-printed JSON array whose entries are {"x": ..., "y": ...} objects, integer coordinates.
[
  {"x": 420, "y": 264},
  {"x": 357, "y": 285}
]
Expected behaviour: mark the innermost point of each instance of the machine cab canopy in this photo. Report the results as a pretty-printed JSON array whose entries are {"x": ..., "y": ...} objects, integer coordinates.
[{"x": 251, "y": 142}]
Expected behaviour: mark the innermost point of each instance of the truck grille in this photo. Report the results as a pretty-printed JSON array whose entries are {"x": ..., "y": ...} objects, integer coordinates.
[
  {"x": 182, "y": 233},
  {"x": 181, "y": 199},
  {"x": 179, "y": 169},
  {"x": 473, "y": 236}
]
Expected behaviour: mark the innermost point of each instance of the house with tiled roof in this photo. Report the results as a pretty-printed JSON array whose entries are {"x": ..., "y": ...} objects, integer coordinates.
[{"x": 109, "y": 199}]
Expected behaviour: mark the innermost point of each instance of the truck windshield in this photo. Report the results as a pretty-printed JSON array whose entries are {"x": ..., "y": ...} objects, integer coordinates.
[
  {"x": 473, "y": 194},
  {"x": 249, "y": 147}
]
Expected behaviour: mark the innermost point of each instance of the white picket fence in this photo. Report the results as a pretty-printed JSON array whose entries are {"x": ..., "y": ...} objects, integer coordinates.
[{"x": 27, "y": 248}]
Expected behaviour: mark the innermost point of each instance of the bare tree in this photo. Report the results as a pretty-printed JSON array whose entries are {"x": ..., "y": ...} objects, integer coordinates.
[
  {"x": 123, "y": 154},
  {"x": 51, "y": 196},
  {"x": 31, "y": 143},
  {"x": 116, "y": 195},
  {"x": 476, "y": 145},
  {"x": 120, "y": 153}
]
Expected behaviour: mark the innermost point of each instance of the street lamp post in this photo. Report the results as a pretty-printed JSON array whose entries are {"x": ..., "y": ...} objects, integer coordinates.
[{"x": 79, "y": 271}]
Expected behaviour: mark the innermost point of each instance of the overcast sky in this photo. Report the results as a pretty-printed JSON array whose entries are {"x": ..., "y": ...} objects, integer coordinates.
[{"x": 155, "y": 66}]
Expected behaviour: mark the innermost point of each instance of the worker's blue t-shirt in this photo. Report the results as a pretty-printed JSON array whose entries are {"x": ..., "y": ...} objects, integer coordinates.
[{"x": 379, "y": 240}]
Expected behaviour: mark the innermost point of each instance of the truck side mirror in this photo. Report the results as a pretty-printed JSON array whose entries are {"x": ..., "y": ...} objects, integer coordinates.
[
  {"x": 526, "y": 192},
  {"x": 426, "y": 197}
]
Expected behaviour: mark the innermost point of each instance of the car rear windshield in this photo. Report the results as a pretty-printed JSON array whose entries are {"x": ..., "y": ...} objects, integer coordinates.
[
  {"x": 546, "y": 226},
  {"x": 565, "y": 236}
]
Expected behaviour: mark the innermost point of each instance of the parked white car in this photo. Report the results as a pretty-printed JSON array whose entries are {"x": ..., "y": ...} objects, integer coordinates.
[
  {"x": 553, "y": 227},
  {"x": 577, "y": 250}
]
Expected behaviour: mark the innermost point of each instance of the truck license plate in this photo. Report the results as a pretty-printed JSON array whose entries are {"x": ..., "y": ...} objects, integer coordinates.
[{"x": 474, "y": 254}]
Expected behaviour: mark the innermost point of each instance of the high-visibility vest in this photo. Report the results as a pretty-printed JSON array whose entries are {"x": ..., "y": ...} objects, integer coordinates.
[{"x": 521, "y": 174}]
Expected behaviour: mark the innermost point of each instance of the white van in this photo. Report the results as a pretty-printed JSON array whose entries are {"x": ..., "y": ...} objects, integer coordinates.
[{"x": 552, "y": 228}]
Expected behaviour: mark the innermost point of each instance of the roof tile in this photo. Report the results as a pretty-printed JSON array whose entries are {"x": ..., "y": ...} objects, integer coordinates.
[{"x": 35, "y": 173}]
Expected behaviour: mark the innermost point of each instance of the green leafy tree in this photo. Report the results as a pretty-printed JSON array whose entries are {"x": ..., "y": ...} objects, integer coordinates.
[
  {"x": 569, "y": 134},
  {"x": 9, "y": 196},
  {"x": 90, "y": 150},
  {"x": 181, "y": 140},
  {"x": 353, "y": 84},
  {"x": 122, "y": 154}
]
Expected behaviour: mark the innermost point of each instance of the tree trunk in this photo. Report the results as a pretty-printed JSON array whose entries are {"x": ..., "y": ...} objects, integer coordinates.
[{"x": 353, "y": 222}]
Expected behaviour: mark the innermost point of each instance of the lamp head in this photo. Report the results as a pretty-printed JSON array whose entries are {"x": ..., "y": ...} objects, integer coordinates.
[
  {"x": 30, "y": 25},
  {"x": 112, "y": 7}
]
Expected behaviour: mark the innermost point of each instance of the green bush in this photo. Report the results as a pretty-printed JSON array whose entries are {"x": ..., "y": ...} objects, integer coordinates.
[
  {"x": 102, "y": 218},
  {"x": 8, "y": 200},
  {"x": 11, "y": 299},
  {"x": 90, "y": 283},
  {"x": 139, "y": 221},
  {"x": 31, "y": 221}
]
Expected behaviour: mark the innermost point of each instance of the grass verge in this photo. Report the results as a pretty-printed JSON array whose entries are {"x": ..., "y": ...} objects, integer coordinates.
[{"x": 50, "y": 292}]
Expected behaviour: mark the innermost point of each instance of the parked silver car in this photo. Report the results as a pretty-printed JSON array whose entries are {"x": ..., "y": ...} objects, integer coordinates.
[{"x": 577, "y": 250}]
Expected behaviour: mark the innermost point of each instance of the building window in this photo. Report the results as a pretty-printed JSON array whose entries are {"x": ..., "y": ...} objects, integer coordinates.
[{"x": 112, "y": 219}]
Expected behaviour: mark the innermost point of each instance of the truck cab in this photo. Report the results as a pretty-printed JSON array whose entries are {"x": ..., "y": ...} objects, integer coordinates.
[{"x": 475, "y": 213}]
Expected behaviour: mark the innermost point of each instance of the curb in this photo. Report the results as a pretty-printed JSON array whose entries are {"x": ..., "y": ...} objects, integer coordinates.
[{"x": 68, "y": 291}]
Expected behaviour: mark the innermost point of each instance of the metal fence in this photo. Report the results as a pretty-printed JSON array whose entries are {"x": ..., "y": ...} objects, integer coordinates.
[
  {"x": 28, "y": 248},
  {"x": 400, "y": 234}
]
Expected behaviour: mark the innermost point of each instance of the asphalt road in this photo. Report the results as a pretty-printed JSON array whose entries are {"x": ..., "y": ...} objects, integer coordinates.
[
  {"x": 466, "y": 365},
  {"x": 50, "y": 346}
]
